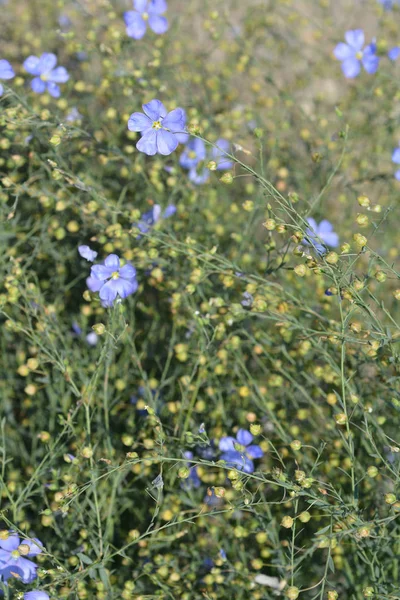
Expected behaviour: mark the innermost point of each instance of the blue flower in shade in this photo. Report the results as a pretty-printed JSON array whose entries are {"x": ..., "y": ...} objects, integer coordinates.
[
  {"x": 87, "y": 253},
  {"x": 12, "y": 557},
  {"x": 352, "y": 55},
  {"x": 146, "y": 11},
  {"x": 394, "y": 53},
  {"x": 112, "y": 280},
  {"x": 321, "y": 233},
  {"x": 92, "y": 338},
  {"x": 158, "y": 128},
  {"x": 396, "y": 160},
  {"x": 36, "y": 595},
  {"x": 152, "y": 216},
  {"x": 47, "y": 75},
  {"x": 238, "y": 452},
  {"x": 6, "y": 72},
  {"x": 193, "y": 481},
  {"x": 195, "y": 155}
]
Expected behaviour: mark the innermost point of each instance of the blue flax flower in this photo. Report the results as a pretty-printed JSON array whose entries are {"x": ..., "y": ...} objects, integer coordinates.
[
  {"x": 6, "y": 72},
  {"x": 394, "y": 53},
  {"x": 352, "y": 55},
  {"x": 193, "y": 481},
  {"x": 238, "y": 452},
  {"x": 146, "y": 11},
  {"x": 389, "y": 4},
  {"x": 12, "y": 557},
  {"x": 321, "y": 233},
  {"x": 396, "y": 160},
  {"x": 158, "y": 128},
  {"x": 152, "y": 216},
  {"x": 47, "y": 75},
  {"x": 87, "y": 253},
  {"x": 36, "y": 595},
  {"x": 112, "y": 280},
  {"x": 195, "y": 154}
]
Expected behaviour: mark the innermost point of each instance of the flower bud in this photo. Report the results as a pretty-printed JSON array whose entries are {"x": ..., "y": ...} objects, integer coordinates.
[
  {"x": 341, "y": 419},
  {"x": 292, "y": 592},
  {"x": 368, "y": 592},
  {"x": 300, "y": 270},
  {"x": 332, "y": 595},
  {"x": 270, "y": 224},
  {"x": 363, "y": 201},
  {"x": 360, "y": 240},
  {"x": 87, "y": 452},
  {"x": 255, "y": 429},
  {"x": 362, "y": 220},
  {"x": 380, "y": 276},
  {"x": 345, "y": 248},
  {"x": 332, "y": 258},
  {"x": 295, "y": 445},
  {"x": 227, "y": 178},
  {"x": 99, "y": 328},
  {"x": 305, "y": 516},
  {"x": 287, "y": 522},
  {"x": 184, "y": 472},
  {"x": 396, "y": 294},
  {"x": 390, "y": 498}
]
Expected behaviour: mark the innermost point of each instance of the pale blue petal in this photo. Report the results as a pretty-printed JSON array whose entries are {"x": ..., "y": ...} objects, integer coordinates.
[
  {"x": 397, "y": 175},
  {"x": 137, "y": 27},
  {"x": 325, "y": 227},
  {"x": 254, "y": 451},
  {"x": 139, "y": 122},
  {"x": 127, "y": 272},
  {"x": 108, "y": 292},
  {"x": 155, "y": 110},
  {"x": 158, "y": 24},
  {"x": 351, "y": 67},
  {"x": 169, "y": 211},
  {"x": 140, "y": 5},
  {"x": 94, "y": 284},
  {"x": 175, "y": 120},
  {"x": 227, "y": 444},
  {"x": 396, "y": 156},
  {"x": 87, "y": 253},
  {"x": 31, "y": 65},
  {"x": 343, "y": 51},
  {"x": 36, "y": 595},
  {"x": 11, "y": 543},
  {"x": 157, "y": 7},
  {"x": 355, "y": 38},
  {"x": 101, "y": 272},
  {"x": 148, "y": 143},
  {"x": 112, "y": 262},
  {"x": 53, "y": 89},
  {"x": 330, "y": 239},
  {"x": 394, "y": 53},
  {"x": 58, "y": 75},
  {"x": 35, "y": 546},
  {"x": 370, "y": 62},
  {"x": 6, "y": 70},
  {"x": 125, "y": 287},
  {"x": 166, "y": 142},
  {"x": 47, "y": 62},
  {"x": 1, "y": 90},
  {"x": 37, "y": 85}
]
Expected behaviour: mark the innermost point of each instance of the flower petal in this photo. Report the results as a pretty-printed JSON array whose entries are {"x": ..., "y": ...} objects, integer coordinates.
[
  {"x": 87, "y": 252},
  {"x": 396, "y": 156},
  {"x": 198, "y": 178},
  {"x": 58, "y": 75},
  {"x": 1, "y": 90},
  {"x": 394, "y": 53},
  {"x": 35, "y": 546},
  {"x": 108, "y": 292},
  {"x": 254, "y": 451},
  {"x": 127, "y": 272},
  {"x": 244, "y": 437},
  {"x": 11, "y": 543},
  {"x": 175, "y": 120},
  {"x": 53, "y": 89},
  {"x": 343, "y": 51},
  {"x": 148, "y": 142},
  {"x": 325, "y": 227},
  {"x": 112, "y": 261},
  {"x": 37, "y": 85},
  {"x": 101, "y": 272},
  {"x": 36, "y": 595},
  {"x": 137, "y": 26},
  {"x": 47, "y": 62},
  {"x": 370, "y": 62},
  {"x": 157, "y": 7},
  {"x": 351, "y": 67},
  {"x": 355, "y": 38},
  {"x": 330, "y": 239},
  {"x": 227, "y": 444},
  {"x": 155, "y": 110},
  {"x": 139, "y": 122},
  {"x": 158, "y": 24},
  {"x": 397, "y": 175},
  {"x": 140, "y": 5},
  {"x": 166, "y": 142},
  {"x": 94, "y": 284},
  {"x": 169, "y": 211},
  {"x": 6, "y": 70},
  {"x": 219, "y": 154},
  {"x": 125, "y": 287},
  {"x": 31, "y": 65}
]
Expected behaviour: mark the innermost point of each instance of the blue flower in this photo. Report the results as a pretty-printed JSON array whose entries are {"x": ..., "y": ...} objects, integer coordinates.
[
  {"x": 238, "y": 452},
  {"x": 396, "y": 160},
  {"x": 112, "y": 280},
  {"x": 12, "y": 557},
  {"x": 321, "y": 233},
  {"x": 158, "y": 128},
  {"x": 146, "y": 11},
  {"x": 36, "y": 595},
  {"x": 6, "y": 72},
  {"x": 92, "y": 338},
  {"x": 87, "y": 253},
  {"x": 195, "y": 154},
  {"x": 352, "y": 55},
  {"x": 152, "y": 216},
  {"x": 394, "y": 53},
  {"x": 47, "y": 75}
]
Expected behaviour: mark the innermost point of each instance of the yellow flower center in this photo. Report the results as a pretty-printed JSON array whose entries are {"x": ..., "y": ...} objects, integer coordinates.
[
  {"x": 15, "y": 554},
  {"x": 4, "y": 535},
  {"x": 192, "y": 154},
  {"x": 156, "y": 125},
  {"x": 44, "y": 77},
  {"x": 145, "y": 16},
  {"x": 240, "y": 448},
  {"x": 23, "y": 549},
  {"x": 359, "y": 55},
  {"x": 115, "y": 275}
]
